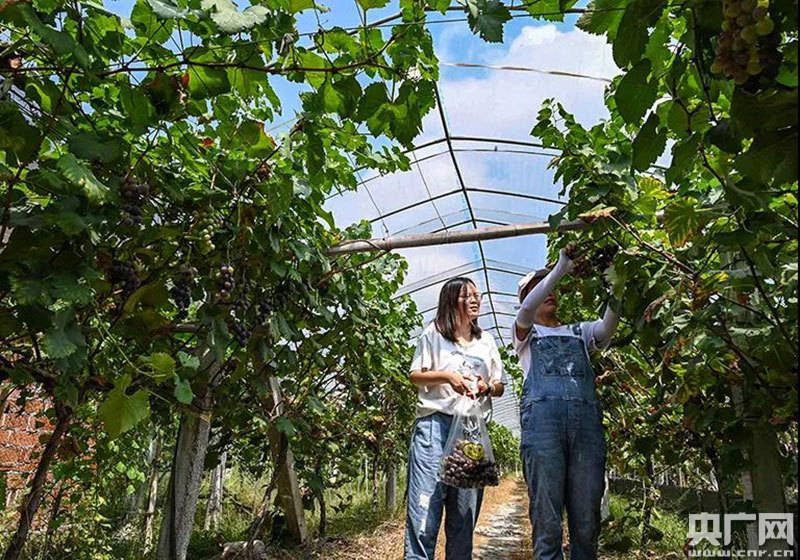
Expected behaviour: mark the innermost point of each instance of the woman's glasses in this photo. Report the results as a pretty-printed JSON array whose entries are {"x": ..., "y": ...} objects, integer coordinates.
[{"x": 472, "y": 297}]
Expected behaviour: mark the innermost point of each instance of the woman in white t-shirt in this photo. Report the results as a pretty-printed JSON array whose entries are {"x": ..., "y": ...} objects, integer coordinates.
[
  {"x": 563, "y": 445},
  {"x": 454, "y": 360}
]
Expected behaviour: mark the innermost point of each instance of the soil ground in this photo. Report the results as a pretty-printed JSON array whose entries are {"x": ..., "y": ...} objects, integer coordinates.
[{"x": 503, "y": 533}]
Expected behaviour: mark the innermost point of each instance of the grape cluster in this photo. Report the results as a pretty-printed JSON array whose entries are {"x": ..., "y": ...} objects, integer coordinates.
[
  {"x": 264, "y": 171},
  {"x": 240, "y": 332},
  {"x": 225, "y": 281},
  {"x": 263, "y": 310},
  {"x": 182, "y": 290},
  {"x": 461, "y": 470},
  {"x": 603, "y": 256},
  {"x": 243, "y": 303},
  {"x": 207, "y": 225},
  {"x": 124, "y": 273},
  {"x": 600, "y": 260},
  {"x": 582, "y": 268},
  {"x": 747, "y": 44},
  {"x": 134, "y": 193}
]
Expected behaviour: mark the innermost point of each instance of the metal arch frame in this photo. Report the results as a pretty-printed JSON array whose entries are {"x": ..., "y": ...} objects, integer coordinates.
[
  {"x": 483, "y": 140},
  {"x": 464, "y": 139},
  {"x": 463, "y": 187},
  {"x": 496, "y": 293},
  {"x": 484, "y": 267},
  {"x": 464, "y": 191}
]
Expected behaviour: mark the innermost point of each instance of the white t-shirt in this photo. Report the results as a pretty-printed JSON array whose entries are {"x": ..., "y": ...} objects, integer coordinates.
[
  {"x": 479, "y": 358},
  {"x": 523, "y": 348}
]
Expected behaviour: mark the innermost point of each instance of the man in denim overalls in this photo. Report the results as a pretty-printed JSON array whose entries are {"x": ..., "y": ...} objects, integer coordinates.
[{"x": 563, "y": 445}]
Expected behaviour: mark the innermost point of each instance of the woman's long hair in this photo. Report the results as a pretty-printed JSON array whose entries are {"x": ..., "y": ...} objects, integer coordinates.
[{"x": 447, "y": 312}]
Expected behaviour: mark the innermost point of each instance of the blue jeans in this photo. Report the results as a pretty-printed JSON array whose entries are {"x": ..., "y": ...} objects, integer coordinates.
[
  {"x": 563, "y": 460},
  {"x": 427, "y": 497}
]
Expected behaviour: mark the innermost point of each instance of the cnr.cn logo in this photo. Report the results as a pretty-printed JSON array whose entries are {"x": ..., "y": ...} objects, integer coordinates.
[{"x": 706, "y": 527}]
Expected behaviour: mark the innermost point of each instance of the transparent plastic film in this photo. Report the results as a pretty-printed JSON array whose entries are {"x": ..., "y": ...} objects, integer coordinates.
[{"x": 468, "y": 460}]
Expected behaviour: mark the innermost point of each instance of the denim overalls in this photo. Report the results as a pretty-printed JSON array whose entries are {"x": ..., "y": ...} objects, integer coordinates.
[{"x": 563, "y": 446}]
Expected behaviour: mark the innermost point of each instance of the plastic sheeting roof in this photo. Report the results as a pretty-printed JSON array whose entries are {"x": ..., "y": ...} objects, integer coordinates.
[{"x": 471, "y": 171}]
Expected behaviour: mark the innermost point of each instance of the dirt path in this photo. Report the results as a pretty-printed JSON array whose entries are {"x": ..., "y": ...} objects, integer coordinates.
[
  {"x": 386, "y": 541},
  {"x": 503, "y": 533}
]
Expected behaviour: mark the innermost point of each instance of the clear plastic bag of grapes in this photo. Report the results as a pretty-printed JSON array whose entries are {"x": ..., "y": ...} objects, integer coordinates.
[{"x": 468, "y": 460}]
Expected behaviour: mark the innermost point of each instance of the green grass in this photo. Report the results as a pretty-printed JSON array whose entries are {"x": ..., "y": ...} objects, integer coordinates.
[{"x": 622, "y": 530}]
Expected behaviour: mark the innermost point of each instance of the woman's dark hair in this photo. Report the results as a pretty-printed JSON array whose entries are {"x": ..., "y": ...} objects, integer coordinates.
[{"x": 447, "y": 312}]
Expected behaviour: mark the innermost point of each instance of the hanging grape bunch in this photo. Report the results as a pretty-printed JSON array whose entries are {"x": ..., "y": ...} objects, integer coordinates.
[
  {"x": 225, "y": 283},
  {"x": 134, "y": 193},
  {"x": 582, "y": 268},
  {"x": 263, "y": 310},
  {"x": 467, "y": 467},
  {"x": 182, "y": 290},
  {"x": 747, "y": 45},
  {"x": 243, "y": 303},
  {"x": 124, "y": 274},
  {"x": 603, "y": 257},
  {"x": 206, "y": 225},
  {"x": 240, "y": 331},
  {"x": 237, "y": 325}
]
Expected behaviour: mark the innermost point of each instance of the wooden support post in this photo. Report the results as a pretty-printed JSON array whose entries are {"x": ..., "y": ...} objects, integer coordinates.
[
  {"x": 448, "y": 237},
  {"x": 391, "y": 487},
  {"x": 216, "y": 486},
  {"x": 288, "y": 488},
  {"x": 152, "y": 493},
  {"x": 605, "y": 502}
]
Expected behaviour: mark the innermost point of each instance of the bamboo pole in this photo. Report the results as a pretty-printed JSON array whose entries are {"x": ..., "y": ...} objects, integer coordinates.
[{"x": 449, "y": 237}]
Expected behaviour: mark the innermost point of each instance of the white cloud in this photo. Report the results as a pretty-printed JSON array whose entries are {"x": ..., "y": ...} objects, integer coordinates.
[{"x": 504, "y": 103}]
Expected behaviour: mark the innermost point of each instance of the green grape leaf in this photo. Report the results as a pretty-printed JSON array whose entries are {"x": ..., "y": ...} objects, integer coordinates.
[
  {"x": 554, "y": 219},
  {"x": 89, "y": 146},
  {"x": 773, "y": 109},
  {"x": 300, "y": 5},
  {"x": 230, "y": 20},
  {"x": 602, "y": 17},
  {"x": 375, "y": 96},
  {"x": 18, "y": 139},
  {"x": 440, "y": 5},
  {"x": 486, "y": 18},
  {"x": 285, "y": 426},
  {"x": 77, "y": 173},
  {"x": 723, "y": 137},
  {"x": 682, "y": 220},
  {"x": 648, "y": 144},
  {"x": 170, "y": 10},
  {"x": 549, "y": 10},
  {"x": 163, "y": 365},
  {"x": 369, "y": 4},
  {"x": 188, "y": 361},
  {"x": 771, "y": 158},
  {"x": 183, "y": 390},
  {"x": 120, "y": 412},
  {"x": 683, "y": 155},
  {"x": 137, "y": 108},
  {"x": 635, "y": 94},
  {"x": 150, "y": 25},
  {"x": 633, "y": 31},
  {"x": 64, "y": 338},
  {"x": 61, "y": 41}
]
